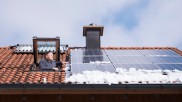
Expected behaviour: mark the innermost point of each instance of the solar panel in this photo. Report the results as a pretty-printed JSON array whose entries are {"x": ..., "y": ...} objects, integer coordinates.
[
  {"x": 165, "y": 59},
  {"x": 93, "y": 52},
  {"x": 88, "y": 56},
  {"x": 159, "y": 53},
  {"x": 81, "y": 53},
  {"x": 76, "y": 60},
  {"x": 83, "y": 60},
  {"x": 76, "y": 53},
  {"x": 130, "y": 59},
  {"x": 123, "y": 53},
  {"x": 89, "y": 59},
  {"x": 170, "y": 66},
  {"x": 137, "y": 66},
  {"x": 80, "y": 68}
]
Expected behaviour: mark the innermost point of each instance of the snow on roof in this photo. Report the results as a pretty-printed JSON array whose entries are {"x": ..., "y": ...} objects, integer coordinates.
[{"x": 123, "y": 76}]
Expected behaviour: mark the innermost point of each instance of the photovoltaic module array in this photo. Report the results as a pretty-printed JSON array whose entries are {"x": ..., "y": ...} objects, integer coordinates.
[{"x": 109, "y": 60}]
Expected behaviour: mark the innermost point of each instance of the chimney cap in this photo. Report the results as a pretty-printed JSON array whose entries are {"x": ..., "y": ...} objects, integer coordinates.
[
  {"x": 93, "y": 24},
  {"x": 93, "y": 27}
]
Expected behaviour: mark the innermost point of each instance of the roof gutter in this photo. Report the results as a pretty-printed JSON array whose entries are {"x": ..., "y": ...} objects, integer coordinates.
[{"x": 90, "y": 89}]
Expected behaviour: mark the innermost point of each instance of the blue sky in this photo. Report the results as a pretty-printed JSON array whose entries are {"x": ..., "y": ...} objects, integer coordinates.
[{"x": 126, "y": 22}]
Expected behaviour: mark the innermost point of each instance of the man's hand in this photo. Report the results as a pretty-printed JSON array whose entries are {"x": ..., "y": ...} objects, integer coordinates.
[
  {"x": 56, "y": 69},
  {"x": 64, "y": 62}
]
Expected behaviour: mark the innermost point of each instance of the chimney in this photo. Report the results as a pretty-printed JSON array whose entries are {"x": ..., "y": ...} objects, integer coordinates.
[{"x": 92, "y": 34}]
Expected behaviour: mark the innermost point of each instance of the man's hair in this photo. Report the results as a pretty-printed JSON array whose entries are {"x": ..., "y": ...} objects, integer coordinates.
[{"x": 47, "y": 53}]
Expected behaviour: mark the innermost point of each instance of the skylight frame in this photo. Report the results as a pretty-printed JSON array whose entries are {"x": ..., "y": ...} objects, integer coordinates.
[{"x": 35, "y": 47}]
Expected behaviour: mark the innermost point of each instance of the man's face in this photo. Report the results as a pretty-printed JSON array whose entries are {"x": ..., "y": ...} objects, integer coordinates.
[{"x": 49, "y": 56}]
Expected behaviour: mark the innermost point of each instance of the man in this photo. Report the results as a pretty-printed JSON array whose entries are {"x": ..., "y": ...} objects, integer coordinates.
[{"x": 48, "y": 63}]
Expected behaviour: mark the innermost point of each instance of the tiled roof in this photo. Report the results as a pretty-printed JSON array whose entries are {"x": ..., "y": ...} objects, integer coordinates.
[{"x": 15, "y": 67}]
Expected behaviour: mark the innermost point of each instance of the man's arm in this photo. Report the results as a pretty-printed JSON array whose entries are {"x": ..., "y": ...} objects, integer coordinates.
[{"x": 54, "y": 65}]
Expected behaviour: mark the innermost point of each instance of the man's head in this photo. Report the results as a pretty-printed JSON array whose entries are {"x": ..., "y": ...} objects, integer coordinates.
[{"x": 49, "y": 56}]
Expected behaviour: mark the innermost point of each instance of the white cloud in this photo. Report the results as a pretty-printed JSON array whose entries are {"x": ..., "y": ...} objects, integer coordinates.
[
  {"x": 158, "y": 23},
  {"x": 63, "y": 18},
  {"x": 161, "y": 22}
]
